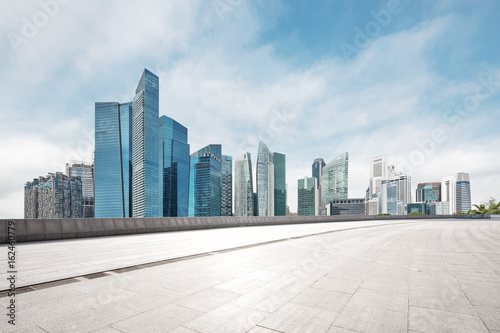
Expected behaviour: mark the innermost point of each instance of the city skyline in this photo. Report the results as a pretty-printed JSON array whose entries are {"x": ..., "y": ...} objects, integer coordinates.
[{"x": 247, "y": 74}]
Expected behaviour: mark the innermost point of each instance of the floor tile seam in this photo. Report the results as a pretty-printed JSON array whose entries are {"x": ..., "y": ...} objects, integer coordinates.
[
  {"x": 457, "y": 282},
  {"x": 267, "y": 328},
  {"x": 199, "y": 255}
]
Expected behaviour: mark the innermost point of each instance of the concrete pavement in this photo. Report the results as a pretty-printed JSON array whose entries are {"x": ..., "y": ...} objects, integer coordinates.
[{"x": 405, "y": 276}]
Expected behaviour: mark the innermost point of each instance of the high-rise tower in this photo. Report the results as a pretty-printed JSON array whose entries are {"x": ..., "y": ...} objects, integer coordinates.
[
  {"x": 113, "y": 159},
  {"x": 265, "y": 181},
  {"x": 243, "y": 186},
  {"x": 463, "y": 192},
  {"x": 145, "y": 150},
  {"x": 174, "y": 168}
]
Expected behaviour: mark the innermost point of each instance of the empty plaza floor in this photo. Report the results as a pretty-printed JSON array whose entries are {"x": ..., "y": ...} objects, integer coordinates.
[{"x": 371, "y": 276}]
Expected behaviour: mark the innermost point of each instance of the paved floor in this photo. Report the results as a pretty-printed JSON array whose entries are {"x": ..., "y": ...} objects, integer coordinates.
[{"x": 432, "y": 276}]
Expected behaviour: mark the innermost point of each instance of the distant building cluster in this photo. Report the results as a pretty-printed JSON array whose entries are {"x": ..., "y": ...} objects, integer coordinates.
[
  {"x": 388, "y": 192},
  {"x": 60, "y": 195},
  {"x": 143, "y": 167}
]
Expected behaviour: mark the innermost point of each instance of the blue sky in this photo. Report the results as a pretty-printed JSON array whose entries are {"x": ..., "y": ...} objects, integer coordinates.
[{"x": 422, "y": 84}]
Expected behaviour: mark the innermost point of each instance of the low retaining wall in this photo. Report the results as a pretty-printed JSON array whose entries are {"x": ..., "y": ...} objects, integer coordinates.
[{"x": 29, "y": 230}]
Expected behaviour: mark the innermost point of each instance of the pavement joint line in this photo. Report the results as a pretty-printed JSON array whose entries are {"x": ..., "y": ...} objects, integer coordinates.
[
  {"x": 356, "y": 258},
  {"x": 43, "y": 285}
]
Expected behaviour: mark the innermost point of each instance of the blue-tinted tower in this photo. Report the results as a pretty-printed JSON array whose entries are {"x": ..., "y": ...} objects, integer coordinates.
[
  {"x": 145, "y": 150},
  {"x": 205, "y": 182},
  {"x": 113, "y": 159},
  {"x": 174, "y": 168}
]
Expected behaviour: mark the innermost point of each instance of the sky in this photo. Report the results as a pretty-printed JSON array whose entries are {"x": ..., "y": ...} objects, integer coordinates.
[{"x": 418, "y": 81}]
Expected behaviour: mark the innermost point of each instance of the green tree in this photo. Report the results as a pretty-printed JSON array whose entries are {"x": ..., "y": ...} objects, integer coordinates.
[{"x": 490, "y": 207}]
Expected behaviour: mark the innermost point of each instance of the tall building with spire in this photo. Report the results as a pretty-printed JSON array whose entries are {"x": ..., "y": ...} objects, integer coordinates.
[
  {"x": 265, "y": 181},
  {"x": 243, "y": 186}
]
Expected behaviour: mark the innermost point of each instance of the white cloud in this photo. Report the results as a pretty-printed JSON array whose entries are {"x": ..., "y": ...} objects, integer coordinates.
[{"x": 217, "y": 80}]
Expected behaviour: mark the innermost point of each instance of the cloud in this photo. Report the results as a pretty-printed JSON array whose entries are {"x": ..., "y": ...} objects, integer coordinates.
[{"x": 220, "y": 79}]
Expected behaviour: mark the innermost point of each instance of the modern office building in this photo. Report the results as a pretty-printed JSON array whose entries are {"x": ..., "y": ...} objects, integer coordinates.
[
  {"x": 113, "y": 160},
  {"x": 428, "y": 192},
  {"x": 463, "y": 192},
  {"x": 438, "y": 208},
  {"x": 265, "y": 181},
  {"x": 226, "y": 186},
  {"x": 243, "y": 186},
  {"x": 145, "y": 150},
  {"x": 416, "y": 207},
  {"x": 317, "y": 169},
  {"x": 317, "y": 172},
  {"x": 205, "y": 182},
  {"x": 279, "y": 161},
  {"x": 85, "y": 171},
  {"x": 334, "y": 181},
  {"x": 395, "y": 193},
  {"x": 350, "y": 206},
  {"x": 378, "y": 171},
  {"x": 55, "y": 196},
  {"x": 307, "y": 196},
  {"x": 448, "y": 193},
  {"x": 174, "y": 168}
]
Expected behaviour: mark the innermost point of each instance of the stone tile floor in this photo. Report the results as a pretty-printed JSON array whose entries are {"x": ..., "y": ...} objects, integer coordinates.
[{"x": 418, "y": 276}]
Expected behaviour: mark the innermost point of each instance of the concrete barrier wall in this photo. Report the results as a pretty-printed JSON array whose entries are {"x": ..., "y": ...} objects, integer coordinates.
[{"x": 31, "y": 230}]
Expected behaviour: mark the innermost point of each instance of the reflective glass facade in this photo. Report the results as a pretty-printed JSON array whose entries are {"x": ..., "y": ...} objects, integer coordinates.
[
  {"x": 145, "y": 152},
  {"x": 428, "y": 192},
  {"x": 265, "y": 181},
  {"x": 279, "y": 161},
  {"x": 334, "y": 181},
  {"x": 205, "y": 182},
  {"x": 463, "y": 192},
  {"x": 307, "y": 198},
  {"x": 317, "y": 169},
  {"x": 226, "y": 185},
  {"x": 243, "y": 186},
  {"x": 113, "y": 152},
  {"x": 174, "y": 168}
]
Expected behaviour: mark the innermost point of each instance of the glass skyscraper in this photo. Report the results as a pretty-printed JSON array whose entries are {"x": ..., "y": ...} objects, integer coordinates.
[
  {"x": 243, "y": 186},
  {"x": 317, "y": 169},
  {"x": 145, "y": 152},
  {"x": 428, "y": 192},
  {"x": 265, "y": 181},
  {"x": 174, "y": 168},
  {"x": 334, "y": 181},
  {"x": 463, "y": 192},
  {"x": 279, "y": 161},
  {"x": 226, "y": 185},
  {"x": 113, "y": 159},
  {"x": 205, "y": 182},
  {"x": 307, "y": 198}
]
